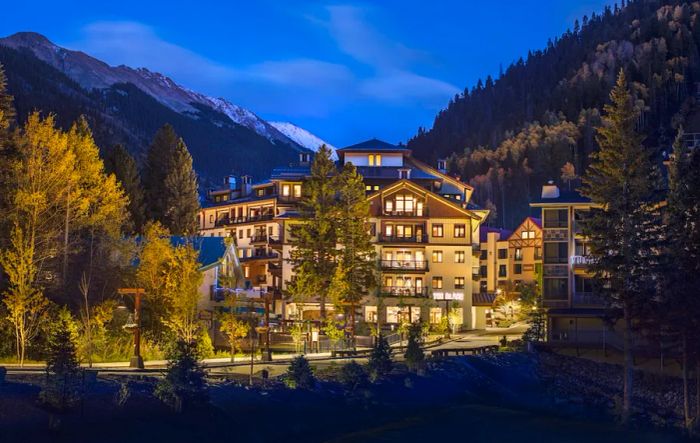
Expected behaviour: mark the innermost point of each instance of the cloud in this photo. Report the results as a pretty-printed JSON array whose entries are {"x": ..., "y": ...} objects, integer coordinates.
[
  {"x": 301, "y": 72},
  {"x": 404, "y": 86}
]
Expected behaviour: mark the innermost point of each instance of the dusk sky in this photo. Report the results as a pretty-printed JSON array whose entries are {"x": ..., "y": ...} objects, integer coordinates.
[{"x": 344, "y": 71}]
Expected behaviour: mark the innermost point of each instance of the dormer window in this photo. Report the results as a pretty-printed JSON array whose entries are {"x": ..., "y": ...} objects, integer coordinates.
[
  {"x": 442, "y": 165},
  {"x": 374, "y": 160},
  {"x": 404, "y": 174},
  {"x": 285, "y": 190}
]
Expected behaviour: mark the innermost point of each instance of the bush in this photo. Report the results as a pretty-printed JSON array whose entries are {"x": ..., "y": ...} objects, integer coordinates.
[
  {"x": 184, "y": 385},
  {"x": 414, "y": 354},
  {"x": 205, "y": 347},
  {"x": 299, "y": 374},
  {"x": 380, "y": 362},
  {"x": 63, "y": 384},
  {"x": 353, "y": 375}
]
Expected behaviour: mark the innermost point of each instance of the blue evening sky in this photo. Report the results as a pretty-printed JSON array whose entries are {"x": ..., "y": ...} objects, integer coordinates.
[{"x": 345, "y": 71}]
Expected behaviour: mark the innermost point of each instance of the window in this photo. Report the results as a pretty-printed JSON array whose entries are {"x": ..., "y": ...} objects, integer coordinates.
[
  {"x": 502, "y": 270},
  {"x": 437, "y": 256},
  {"x": 518, "y": 269},
  {"x": 371, "y": 314},
  {"x": 437, "y": 282},
  {"x": 240, "y": 233},
  {"x": 538, "y": 253},
  {"x": 555, "y": 289},
  {"x": 518, "y": 256},
  {"x": 389, "y": 205},
  {"x": 502, "y": 253},
  {"x": 483, "y": 271},
  {"x": 459, "y": 282},
  {"x": 297, "y": 191},
  {"x": 286, "y": 190},
  {"x": 459, "y": 257},
  {"x": 403, "y": 174},
  {"x": 211, "y": 218},
  {"x": 527, "y": 235},
  {"x": 246, "y": 271},
  {"x": 375, "y": 188},
  {"x": 556, "y": 252},
  {"x": 260, "y": 192},
  {"x": 460, "y": 232},
  {"x": 374, "y": 159},
  {"x": 556, "y": 218},
  {"x": 388, "y": 230},
  {"x": 388, "y": 282},
  {"x": 248, "y": 233},
  {"x": 438, "y": 230},
  {"x": 484, "y": 254},
  {"x": 458, "y": 197},
  {"x": 583, "y": 284},
  {"x": 368, "y": 188}
]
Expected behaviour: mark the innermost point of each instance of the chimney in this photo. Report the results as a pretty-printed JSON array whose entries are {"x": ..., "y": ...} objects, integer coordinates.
[
  {"x": 230, "y": 182},
  {"x": 246, "y": 185},
  {"x": 442, "y": 165},
  {"x": 550, "y": 190}
]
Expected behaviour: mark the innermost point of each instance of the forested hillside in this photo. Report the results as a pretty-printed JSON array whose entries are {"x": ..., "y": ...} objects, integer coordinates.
[
  {"x": 508, "y": 135},
  {"x": 126, "y": 115}
]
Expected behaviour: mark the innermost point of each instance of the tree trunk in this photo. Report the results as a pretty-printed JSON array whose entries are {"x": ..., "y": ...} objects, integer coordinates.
[
  {"x": 686, "y": 399},
  {"x": 628, "y": 366}
]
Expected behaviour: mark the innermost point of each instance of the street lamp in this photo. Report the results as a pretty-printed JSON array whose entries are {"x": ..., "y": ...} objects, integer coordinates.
[{"x": 133, "y": 325}]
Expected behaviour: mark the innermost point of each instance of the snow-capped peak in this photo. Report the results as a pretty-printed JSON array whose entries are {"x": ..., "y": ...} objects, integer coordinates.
[{"x": 302, "y": 137}]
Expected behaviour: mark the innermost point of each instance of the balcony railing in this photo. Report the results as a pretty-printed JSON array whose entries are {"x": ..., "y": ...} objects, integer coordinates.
[
  {"x": 581, "y": 261},
  {"x": 261, "y": 255},
  {"x": 405, "y": 265},
  {"x": 225, "y": 221},
  {"x": 259, "y": 238},
  {"x": 588, "y": 299},
  {"x": 423, "y": 212},
  {"x": 396, "y": 291},
  {"x": 396, "y": 239}
]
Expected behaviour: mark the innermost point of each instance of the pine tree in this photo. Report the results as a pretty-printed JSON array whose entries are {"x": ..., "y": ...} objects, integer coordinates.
[
  {"x": 7, "y": 112},
  {"x": 62, "y": 389},
  {"x": 357, "y": 256},
  {"x": 120, "y": 163},
  {"x": 180, "y": 193},
  {"x": 184, "y": 385},
  {"x": 624, "y": 231},
  {"x": 158, "y": 164},
  {"x": 314, "y": 239},
  {"x": 380, "y": 362},
  {"x": 299, "y": 374},
  {"x": 414, "y": 353}
]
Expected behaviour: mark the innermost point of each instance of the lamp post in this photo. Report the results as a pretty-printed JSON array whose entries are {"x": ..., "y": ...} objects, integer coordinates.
[{"x": 136, "y": 361}]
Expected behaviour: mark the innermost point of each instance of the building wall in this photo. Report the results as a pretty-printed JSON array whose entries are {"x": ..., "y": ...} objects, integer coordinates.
[{"x": 362, "y": 159}]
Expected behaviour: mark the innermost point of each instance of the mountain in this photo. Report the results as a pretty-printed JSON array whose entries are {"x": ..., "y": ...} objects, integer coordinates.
[
  {"x": 509, "y": 135},
  {"x": 301, "y": 136},
  {"x": 128, "y": 105}
]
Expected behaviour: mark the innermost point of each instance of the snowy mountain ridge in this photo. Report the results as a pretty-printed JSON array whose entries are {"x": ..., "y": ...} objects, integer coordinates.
[{"x": 302, "y": 137}]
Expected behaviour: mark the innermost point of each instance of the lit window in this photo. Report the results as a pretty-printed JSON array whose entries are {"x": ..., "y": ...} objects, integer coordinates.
[
  {"x": 526, "y": 235},
  {"x": 368, "y": 188},
  {"x": 460, "y": 231},
  {"x": 518, "y": 254},
  {"x": 378, "y": 160},
  {"x": 285, "y": 190},
  {"x": 388, "y": 230},
  {"x": 246, "y": 271},
  {"x": 388, "y": 205},
  {"x": 458, "y": 197},
  {"x": 437, "y": 282},
  {"x": 437, "y": 256},
  {"x": 375, "y": 187},
  {"x": 297, "y": 191},
  {"x": 438, "y": 230},
  {"x": 459, "y": 282},
  {"x": 459, "y": 256}
]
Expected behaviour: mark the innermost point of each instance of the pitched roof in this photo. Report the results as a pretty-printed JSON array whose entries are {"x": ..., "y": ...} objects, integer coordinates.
[{"x": 374, "y": 145}]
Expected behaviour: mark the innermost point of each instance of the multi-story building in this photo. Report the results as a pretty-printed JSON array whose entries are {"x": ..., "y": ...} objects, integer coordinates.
[
  {"x": 574, "y": 311},
  {"x": 422, "y": 225}
]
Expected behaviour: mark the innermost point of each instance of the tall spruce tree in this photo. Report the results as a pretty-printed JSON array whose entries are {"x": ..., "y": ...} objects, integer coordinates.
[
  {"x": 624, "y": 230},
  {"x": 357, "y": 256},
  {"x": 682, "y": 253},
  {"x": 158, "y": 164},
  {"x": 181, "y": 197},
  {"x": 314, "y": 239},
  {"x": 119, "y": 162},
  {"x": 7, "y": 118}
]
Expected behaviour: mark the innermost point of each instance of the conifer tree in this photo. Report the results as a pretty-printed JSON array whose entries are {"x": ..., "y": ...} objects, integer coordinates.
[
  {"x": 158, "y": 164},
  {"x": 7, "y": 111},
  {"x": 314, "y": 239},
  {"x": 181, "y": 197},
  {"x": 624, "y": 231},
  {"x": 7, "y": 117},
  {"x": 120, "y": 163},
  {"x": 62, "y": 369}
]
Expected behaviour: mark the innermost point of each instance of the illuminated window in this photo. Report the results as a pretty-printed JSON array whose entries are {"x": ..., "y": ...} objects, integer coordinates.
[
  {"x": 460, "y": 231},
  {"x": 437, "y": 256},
  {"x": 459, "y": 256},
  {"x": 459, "y": 282},
  {"x": 438, "y": 230},
  {"x": 368, "y": 188},
  {"x": 437, "y": 282},
  {"x": 246, "y": 271},
  {"x": 528, "y": 235},
  {"x": 518, "y": 254},
  {"x": 388, "y": 205},
  {"x": 375, "y": 187},
  {"x": 374, "y": 159},
  {"x": 297, "y": 191},
  {"x": 286, "y": 190}
]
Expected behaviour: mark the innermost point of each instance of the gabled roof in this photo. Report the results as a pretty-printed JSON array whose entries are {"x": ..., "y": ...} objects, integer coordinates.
[
  {"x": 211, "y": 250},
  {"x": 374, "y": 145},
  {"x": 535, "y": 221}
]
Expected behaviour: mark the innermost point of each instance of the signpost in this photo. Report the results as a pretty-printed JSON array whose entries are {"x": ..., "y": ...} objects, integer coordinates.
[{"x": 136, "y": 361}]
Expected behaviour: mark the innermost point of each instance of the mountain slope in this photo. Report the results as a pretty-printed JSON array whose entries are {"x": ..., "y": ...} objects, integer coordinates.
[
  {"x": 128, "y": 106},
  {"x": 301, "y": 136}
]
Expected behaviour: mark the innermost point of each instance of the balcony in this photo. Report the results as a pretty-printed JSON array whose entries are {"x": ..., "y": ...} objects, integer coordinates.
[
  {"x": 397, "y": 291},
  {"x": 259, "y": 238},
  {"x": 590, "y": 299},
  {"x": 225, "y": 221},
  {"x": 260, "y": 256},
  {"x": 404, "y": 265},
  {"x": 423, "y": 212},
  {"x": 383, "y": 238}
]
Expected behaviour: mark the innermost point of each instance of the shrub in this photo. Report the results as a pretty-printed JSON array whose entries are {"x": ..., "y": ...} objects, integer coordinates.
[
  {"x": 299, "y": 374},
  {"x": 62, "y": 388},
  {"x": 414, "y": 354},
  {"x": 353, "y": 375},
  {"x": 380, "y": 362},
  {"x": 184, "y": 385}
]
